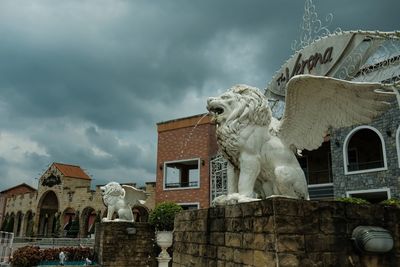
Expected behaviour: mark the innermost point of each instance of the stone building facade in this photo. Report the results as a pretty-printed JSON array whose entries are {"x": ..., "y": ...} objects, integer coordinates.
[
  {"x": 63, "y": 205},
  {"x": 185, "y": 148},
  {"x": 378, "y": 182},
  {"x": 10, "y": 192},
  {"x": 362, "y": 160}
]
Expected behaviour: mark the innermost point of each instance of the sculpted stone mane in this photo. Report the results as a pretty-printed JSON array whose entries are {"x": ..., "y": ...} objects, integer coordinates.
[
  {"x": 260, "y": 149},
  {"x": 112, "y": 192},
  {"x": 244, "y": 106}
]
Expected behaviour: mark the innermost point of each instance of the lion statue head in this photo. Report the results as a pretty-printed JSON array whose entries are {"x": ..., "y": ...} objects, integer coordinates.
[
  {"x": 112, "y": 192},
  {"x": 242, "y": 104},
  {"x": 240, "y": 107}
]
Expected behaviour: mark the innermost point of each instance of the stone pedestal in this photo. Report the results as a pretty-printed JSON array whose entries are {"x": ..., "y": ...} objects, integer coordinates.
[
  {"x": 127, "y": 244},
  {"x": 281, "y": 232},
  {"x": 163, "y": 261}
]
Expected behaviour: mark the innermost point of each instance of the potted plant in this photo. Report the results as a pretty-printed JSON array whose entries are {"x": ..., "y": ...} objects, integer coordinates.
[
  {"x": 391, "y": 202},
  {"x": 353, "y": 200},
  {"x": 162, "y": 218}
]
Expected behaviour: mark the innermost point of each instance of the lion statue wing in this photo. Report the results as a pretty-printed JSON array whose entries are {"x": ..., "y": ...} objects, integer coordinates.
[
  {"x": 134, "y": 196},
  {"x": 314, "y": 104}
]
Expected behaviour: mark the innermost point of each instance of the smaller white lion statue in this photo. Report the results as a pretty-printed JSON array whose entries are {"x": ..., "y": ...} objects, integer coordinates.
[{"x": 121, "y": 199}]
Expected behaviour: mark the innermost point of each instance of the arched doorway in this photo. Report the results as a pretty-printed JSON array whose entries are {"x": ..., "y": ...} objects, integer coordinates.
[
  {"x": 5, "y": 222},
  {"x": 88, "y": 219},
  {"x": 28, "y": 231},
  {"x": 140, "y": 213},
  {"x": 48, "y": 208},
  {"x": 68, "y": 217},
  {"x": 10, "y": 223},
  {"x": 18, "y": 224}
]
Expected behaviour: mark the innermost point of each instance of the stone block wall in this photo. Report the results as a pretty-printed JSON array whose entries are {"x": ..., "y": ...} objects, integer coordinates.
[
  {"x": 115, "y": 247},
  {"x": 281, "y": 232}
]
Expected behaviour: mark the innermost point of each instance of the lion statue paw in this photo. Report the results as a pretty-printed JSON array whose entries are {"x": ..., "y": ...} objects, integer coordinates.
[{"x": 232, "y": 199}]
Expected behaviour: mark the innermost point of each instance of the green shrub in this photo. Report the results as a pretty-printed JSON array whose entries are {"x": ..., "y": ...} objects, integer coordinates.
[
  {"x": 391, "y": 202},
  {"x": 162, "y": 217},
  {"x": 354, "y": 200}
]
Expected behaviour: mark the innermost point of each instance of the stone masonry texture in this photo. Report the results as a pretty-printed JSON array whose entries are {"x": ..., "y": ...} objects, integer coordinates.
[
  {"x": 388, "y": 125},
  {"x": 114, "y": 247},
  {"x": 281, "y": 232}
]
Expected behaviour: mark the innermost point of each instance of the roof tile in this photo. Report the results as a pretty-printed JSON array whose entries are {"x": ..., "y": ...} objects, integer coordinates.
[{"x": 71, "y": 171}]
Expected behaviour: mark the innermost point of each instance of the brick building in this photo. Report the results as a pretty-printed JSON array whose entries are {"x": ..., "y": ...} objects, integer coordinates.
[{"x": 185, "y": 148}]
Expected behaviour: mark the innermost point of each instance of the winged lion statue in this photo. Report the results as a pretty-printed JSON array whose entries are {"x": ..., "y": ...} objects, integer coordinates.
[
  {"x": 121, "y": 198},
  {"x": 261, "y": 150}
]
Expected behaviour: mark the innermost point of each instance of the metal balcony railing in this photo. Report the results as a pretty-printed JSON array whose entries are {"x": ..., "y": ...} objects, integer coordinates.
[
  {"x": 318, "y": 177},
  {"x": 357, "y": 166},
  {"x": 182, "y": 185},
  {"x": 54, "y": 242}
]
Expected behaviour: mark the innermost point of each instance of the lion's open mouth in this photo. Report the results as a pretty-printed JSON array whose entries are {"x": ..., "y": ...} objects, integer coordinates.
[{"x": 216, "y": 110}]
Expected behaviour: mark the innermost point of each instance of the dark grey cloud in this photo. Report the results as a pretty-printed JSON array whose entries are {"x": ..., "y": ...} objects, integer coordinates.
[
  {"x": 122, "y": 155},
  {"x": 85, "y": 82},
  {"x": 3, "y": 167},
  {"x": 151, "y": 51}
]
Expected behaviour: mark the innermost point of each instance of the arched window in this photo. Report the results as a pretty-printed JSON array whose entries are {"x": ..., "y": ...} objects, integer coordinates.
[
  {"x": 398, "y": 144},
  {"x": 88, "y": 220},
  {"x": 364, "y": 151},
  {"x": 67, "y": 217}
]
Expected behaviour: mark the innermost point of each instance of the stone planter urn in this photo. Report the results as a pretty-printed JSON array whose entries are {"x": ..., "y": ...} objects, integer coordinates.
[
  {"x": 162, "y": 218},
  {"x": 164, "y": 241}
]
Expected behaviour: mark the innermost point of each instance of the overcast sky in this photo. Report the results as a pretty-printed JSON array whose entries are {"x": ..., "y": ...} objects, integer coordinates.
[{"x": 85, "y": 82}]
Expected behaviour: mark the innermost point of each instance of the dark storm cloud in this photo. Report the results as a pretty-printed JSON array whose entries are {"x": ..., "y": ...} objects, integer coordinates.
[
  {"x": 3, "y": 167},
  {"x": 85, "y": 82},
  {"x": 66, "y": 64},
  {"x": 123, "y": 155},
  {"x": 362, "y": 15}
]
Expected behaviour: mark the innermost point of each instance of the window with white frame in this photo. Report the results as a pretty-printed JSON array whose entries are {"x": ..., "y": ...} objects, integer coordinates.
[
  {"x": 182, "y": 174},
  {"x": 371, "y": 195},
  {"x": 189, "y": 206},
  {"x": 364, "y": 150}
]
